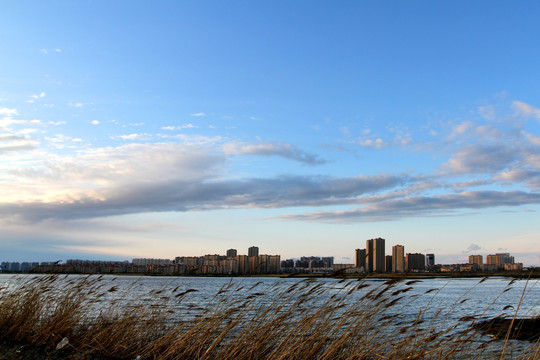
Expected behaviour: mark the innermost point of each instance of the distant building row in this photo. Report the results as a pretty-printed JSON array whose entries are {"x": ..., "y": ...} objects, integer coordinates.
[
  {"x": 501, "y": 261},
  {"x": 230, "y": 264}
]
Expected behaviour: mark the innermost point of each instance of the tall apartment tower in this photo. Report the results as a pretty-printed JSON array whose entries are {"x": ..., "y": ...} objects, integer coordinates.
[
  {"x": 360, "y": 258},
  {"x": 369, "y": 255},
  {"x": 253, "y": 251},
  {"x": 415, "y": 262},
  {"x": 398, "y": 258},
  {"x": 430, "y": 260},
  {"x": 375, "y": 255},
  {"x": 388, "y": 263},
  {"x": 232, "y": 253}
]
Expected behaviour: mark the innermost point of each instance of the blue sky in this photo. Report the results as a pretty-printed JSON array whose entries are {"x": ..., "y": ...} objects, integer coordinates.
[{"x": 159, "y": 129}]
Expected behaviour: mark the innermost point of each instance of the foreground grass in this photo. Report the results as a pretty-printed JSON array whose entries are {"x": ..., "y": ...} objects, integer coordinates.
[{"x": 47, "y": 317}]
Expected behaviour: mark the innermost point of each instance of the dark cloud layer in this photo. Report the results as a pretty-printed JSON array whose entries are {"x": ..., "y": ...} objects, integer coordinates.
[
  {"x": 286, "y": 191},
  {"x": 422, "y": 206}
]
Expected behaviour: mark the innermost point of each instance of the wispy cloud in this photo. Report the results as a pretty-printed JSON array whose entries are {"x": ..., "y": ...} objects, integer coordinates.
[
  {"x": 526, "y": 110},
  {"x": 471, "y": 249},
  {"x": 60, "y": 141},
  {"x": 372, "y": 143},
  {"x": 476, "y": 159},
  {"x": 8, "y": 112},
  {"x": 193, "y": 139},
  {"x": 440, "y": 205},
  {"x": 142, "y": 136},
  {"x": 38, "y": 96},
  {"x": 35, "y": 97},
  {"x": 46, "y": 51},
  {"x": 12, "y": 143},
  {"x": 180, "y": 127},
  {"x": 199, "y": 114},
  {"x": 284, "y": 150},
  {"x": 95, "y": 122},
  {"x": 488, "y": 112}
]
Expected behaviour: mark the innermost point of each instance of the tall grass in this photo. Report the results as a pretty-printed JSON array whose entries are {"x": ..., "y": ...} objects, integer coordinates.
[{"x": 306, "y": 320}]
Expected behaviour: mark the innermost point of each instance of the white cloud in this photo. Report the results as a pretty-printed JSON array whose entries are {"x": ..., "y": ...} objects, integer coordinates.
[
  {"x": 403, "y": 139},
  {"x": 76, "y": 105},
  {"x": 12, "y": 143},
  {"x": 477, "y": 159},
  {"x": 460, "y": 129},
  {"x": 8, "y": 112},
  {"x": 133, "y": 136},
  {"x": 376, "y": 144},
  {"x": 94, "y": 122},
  {"x": 345, "y": 131},
  {"x": 26, "y": 131},
  {"x": 8, "y": 120},
  {"x": 180, "y": 127},
  {"x": 61, "y": 141},
  {"x": 487, "y": 112},
  {"x": 38, "y": 96},
  {"x": 526, "y": 110},
  {"x": 200, "y": 114},
  {"x": 102, "y": 174},
  {"x": 58, "y": 50},
  {"x": 532, "y": 139},
  {"x": 193, "y": 139},
  {"x": 56, "y": 123}
]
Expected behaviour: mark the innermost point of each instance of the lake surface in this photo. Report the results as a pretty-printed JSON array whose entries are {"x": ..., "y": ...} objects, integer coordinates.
[{"x": 455, "y": 297}]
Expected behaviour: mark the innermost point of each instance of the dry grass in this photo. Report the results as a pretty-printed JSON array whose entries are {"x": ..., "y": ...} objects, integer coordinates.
[{"x": 306, "y": 320}]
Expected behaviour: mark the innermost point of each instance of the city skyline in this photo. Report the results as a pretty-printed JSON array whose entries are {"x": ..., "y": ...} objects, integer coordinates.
[
  {"x": 397, "y": 262},
  {"x": 132, "y": 128}
]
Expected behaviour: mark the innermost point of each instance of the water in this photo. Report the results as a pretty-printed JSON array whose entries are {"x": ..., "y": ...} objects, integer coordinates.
[{"x": 457, "y": 297}]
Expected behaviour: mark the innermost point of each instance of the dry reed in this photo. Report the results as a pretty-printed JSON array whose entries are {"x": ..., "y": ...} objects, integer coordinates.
[{"x": 307, "y": 320}]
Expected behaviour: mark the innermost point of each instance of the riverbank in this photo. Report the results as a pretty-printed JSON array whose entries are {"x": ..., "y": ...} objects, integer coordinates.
[{"x": 337, "y": 274}]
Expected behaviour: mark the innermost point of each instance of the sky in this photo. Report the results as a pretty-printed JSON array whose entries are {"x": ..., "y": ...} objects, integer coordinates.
[{"x": 172, "y": 128}]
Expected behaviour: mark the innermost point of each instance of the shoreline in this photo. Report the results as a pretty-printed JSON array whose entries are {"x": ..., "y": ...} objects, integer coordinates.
[{"x": 337, "y": 275}]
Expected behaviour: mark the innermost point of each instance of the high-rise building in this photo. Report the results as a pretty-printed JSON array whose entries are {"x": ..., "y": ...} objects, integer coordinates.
[
  {"x": 369, "y": 255},
  {"x": 328, "y": 261},
  {"x": 232, "y": 253},
  {"x": 253, "y": 265},
  {"x": 388, "y": 263},
  {"x": 415, "y": 262},
  {"x": 253, "y": 251},
  {"x": 243, "y": 264},
  {"x": 430, "y": 260},
  {"x": 360, "y": 258},
  {"x": 398, "y": 258},
  {"x": 375, "y": 255}
]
